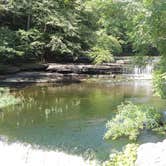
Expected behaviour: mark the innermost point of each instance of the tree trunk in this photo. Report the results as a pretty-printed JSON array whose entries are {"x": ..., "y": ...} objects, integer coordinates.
[{"x": 28, "y": 21}]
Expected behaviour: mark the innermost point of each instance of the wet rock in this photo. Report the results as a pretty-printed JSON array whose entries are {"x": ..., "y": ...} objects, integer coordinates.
[
  {"x": 34, "y": 67},
  {"x": 152, "y": 154},
  {"x": 85, "y": 69},
  {"x": 7, "y": 69},
  {"x": 64, "y": 69},
  {"x": 53, "y": 72},
  {"x": 42, "y": 77}
]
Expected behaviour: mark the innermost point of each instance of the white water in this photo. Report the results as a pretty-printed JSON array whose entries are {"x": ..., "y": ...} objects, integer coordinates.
[
  {"x": 18, "y": 154},
  {"x": 142, "y": 72}
]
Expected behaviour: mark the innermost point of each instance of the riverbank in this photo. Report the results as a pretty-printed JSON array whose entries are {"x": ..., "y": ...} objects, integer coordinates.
[
  {"x": 53, "y": 72},
  {"x": 69, "y": 73}
]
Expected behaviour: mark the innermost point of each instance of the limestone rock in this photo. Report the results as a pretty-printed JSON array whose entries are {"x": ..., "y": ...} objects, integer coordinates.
[{"x": 152, "y": 154}]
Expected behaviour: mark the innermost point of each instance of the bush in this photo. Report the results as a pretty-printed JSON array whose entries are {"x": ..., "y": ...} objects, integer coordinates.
[
  {"x": 31, "y": 42},
  {"x": 159, "y": 78},
  {"x": 101, "y": 55},
  {"x": 131, "y": 119},
  {"x": 105, "y": 47},
  {"x": 108, "y": 42},
  {"x": 125, "y": 158},
  {"x": 159, "y": 81},
  {"x": 8, "y": 44}
]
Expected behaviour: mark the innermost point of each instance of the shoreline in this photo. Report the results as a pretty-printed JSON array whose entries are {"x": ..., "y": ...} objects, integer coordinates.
[
  {"x": 65, "y": 73},
  {"x": 57, "y": 73}
]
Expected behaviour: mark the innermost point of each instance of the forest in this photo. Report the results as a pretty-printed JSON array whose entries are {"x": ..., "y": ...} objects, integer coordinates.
[{"x": 41, "y": 32}]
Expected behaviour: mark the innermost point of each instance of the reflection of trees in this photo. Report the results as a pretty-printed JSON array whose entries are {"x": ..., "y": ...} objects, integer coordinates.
[
  {"x": 52, "y": 104},
  {"x": 6, "y": 98}
]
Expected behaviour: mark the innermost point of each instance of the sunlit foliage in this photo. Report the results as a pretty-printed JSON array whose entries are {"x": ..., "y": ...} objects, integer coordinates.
[
  {"x": 126, "y": 158},
  {"x": 131, "y": 120}
]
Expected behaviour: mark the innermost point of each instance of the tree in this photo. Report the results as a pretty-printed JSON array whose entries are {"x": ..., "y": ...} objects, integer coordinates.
[{"x": 157, "y": 24}]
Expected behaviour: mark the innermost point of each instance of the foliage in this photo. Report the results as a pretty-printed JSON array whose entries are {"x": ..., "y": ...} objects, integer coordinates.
[
  {"x": 100, "y": 55},
  {"x": 44, "y": 28},
  {"x": 8, "y": 42},
  {"x": 40, "y": 29},
  {"x": 161, "y": 129},
  {"x": 131, "y": 119},
  {"x": 31, "y": 42},
  {"x": 125, "y": 158},
  {"x": 6, "y": 98},
  {"x": 137, "y": 28},
  {"x": 106, "y": 45},
  {"x": 159, "y": 81},
  {"x": 157, "y": 24},
  {"x": 140, "y": 60},
  {"x": 108, "y": 42}
]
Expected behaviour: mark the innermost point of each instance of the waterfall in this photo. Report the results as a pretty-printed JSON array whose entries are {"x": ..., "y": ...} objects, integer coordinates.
[
  {"x": 19, "y": 154},
  {"x": 144, "y": 71},
  {"x": 141, "y": 72}
]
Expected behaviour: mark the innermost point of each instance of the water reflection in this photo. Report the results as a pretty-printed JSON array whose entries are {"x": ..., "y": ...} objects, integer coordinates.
[{"x": 72, "y": 118}]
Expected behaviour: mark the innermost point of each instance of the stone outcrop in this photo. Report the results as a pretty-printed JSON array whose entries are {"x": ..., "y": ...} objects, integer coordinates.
[
  {"x": 152, "y": 154},
  {"x": 53, "y": 72},
  {"x": 110, "y": 68},
  {"x": 85, "y": 69},
  {"x": 11, "y": 69},
  {"x": 41, "y": 77}
]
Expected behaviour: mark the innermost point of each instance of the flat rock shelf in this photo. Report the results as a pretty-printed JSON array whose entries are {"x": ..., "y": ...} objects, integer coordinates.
[{"x": 56, "y": 73}]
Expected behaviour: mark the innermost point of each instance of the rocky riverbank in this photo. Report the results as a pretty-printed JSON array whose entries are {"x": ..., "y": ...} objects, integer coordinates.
[
  {"x": 152, "y": 154},
  {"x": 53, "y": 72}
]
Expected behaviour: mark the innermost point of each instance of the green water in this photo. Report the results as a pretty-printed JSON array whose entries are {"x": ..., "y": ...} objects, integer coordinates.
[{"x": 72, "y": 118}]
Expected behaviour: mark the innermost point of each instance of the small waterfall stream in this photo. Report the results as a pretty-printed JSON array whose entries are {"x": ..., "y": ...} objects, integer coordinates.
[
  {"x": 144, "y": 71},
  {"x": 141, "y": 72}
]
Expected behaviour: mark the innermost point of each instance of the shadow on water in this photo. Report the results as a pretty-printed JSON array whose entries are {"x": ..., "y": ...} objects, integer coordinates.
[{"x": 72, "y": 118}]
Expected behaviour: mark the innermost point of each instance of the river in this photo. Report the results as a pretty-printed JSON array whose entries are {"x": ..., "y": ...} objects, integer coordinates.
[{"x": 64, "y": 124}]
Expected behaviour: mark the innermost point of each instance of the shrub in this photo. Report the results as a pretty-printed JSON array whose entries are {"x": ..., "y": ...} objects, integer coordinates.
[
  {"x": 100, "y": 55},
  {"x": 8, "y": 44},
  {"x": 125, "y": 158},
  {"x": 106, "y": 45},
  {"x": 31, "y": 42},
  {"x": 159, "y": 78},
  {"x": 159, "y": 81},
  {"x": 131, "y": 119}
]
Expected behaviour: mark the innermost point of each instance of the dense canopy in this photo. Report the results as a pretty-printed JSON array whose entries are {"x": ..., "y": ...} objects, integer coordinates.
[{"x": 41, "y": 30}]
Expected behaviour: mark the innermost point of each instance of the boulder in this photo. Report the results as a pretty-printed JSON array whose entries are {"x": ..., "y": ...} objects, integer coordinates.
[{"x": 151, "y": 154}]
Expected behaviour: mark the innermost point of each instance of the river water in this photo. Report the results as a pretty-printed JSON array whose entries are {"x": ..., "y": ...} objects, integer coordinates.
[{"x": 64, "y": 125}]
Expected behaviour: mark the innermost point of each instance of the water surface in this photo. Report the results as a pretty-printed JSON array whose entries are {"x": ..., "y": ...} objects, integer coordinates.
[{"x": 72, "y": 118}]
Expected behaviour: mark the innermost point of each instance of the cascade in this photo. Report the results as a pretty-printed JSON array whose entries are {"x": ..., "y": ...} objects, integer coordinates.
[{"x": 141, "y": 72}]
